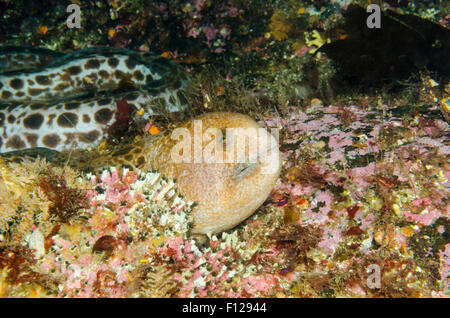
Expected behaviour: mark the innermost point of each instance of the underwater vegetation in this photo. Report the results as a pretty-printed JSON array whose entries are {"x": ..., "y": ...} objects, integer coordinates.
[
  {"x": 362, "y": 121},
  {"x": 35, "y": 194}
]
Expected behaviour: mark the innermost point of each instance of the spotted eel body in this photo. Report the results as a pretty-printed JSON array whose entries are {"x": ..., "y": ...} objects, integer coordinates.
[{"x": 67, "y": 101}]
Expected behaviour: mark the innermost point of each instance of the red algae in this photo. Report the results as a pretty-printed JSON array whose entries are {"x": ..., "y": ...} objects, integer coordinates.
[{"x": 66, "y": 201}]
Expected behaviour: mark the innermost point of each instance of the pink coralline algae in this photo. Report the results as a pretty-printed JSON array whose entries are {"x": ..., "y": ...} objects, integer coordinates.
[
  {"x": 358, "y": 161},
  {"x": 426, "y": 217},
  {"x": 212, "y": 34}
]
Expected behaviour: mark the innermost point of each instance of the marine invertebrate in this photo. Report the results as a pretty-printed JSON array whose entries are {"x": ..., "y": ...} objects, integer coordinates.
[
  {"x": 131, "y": 215},
  {"x": 294, "y": 241},
  {"x": 22, "y": 202},
  {"x": 65, "y": 200},
  {"x": 34, "y": 195},
  {"x": 280, "y": 26},
  {"x": 316, "y": 40},
  {"x": 157, "y": 282}
]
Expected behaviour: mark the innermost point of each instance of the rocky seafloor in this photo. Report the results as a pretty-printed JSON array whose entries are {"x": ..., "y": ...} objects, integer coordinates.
[{"x": 360, "y": 208}]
